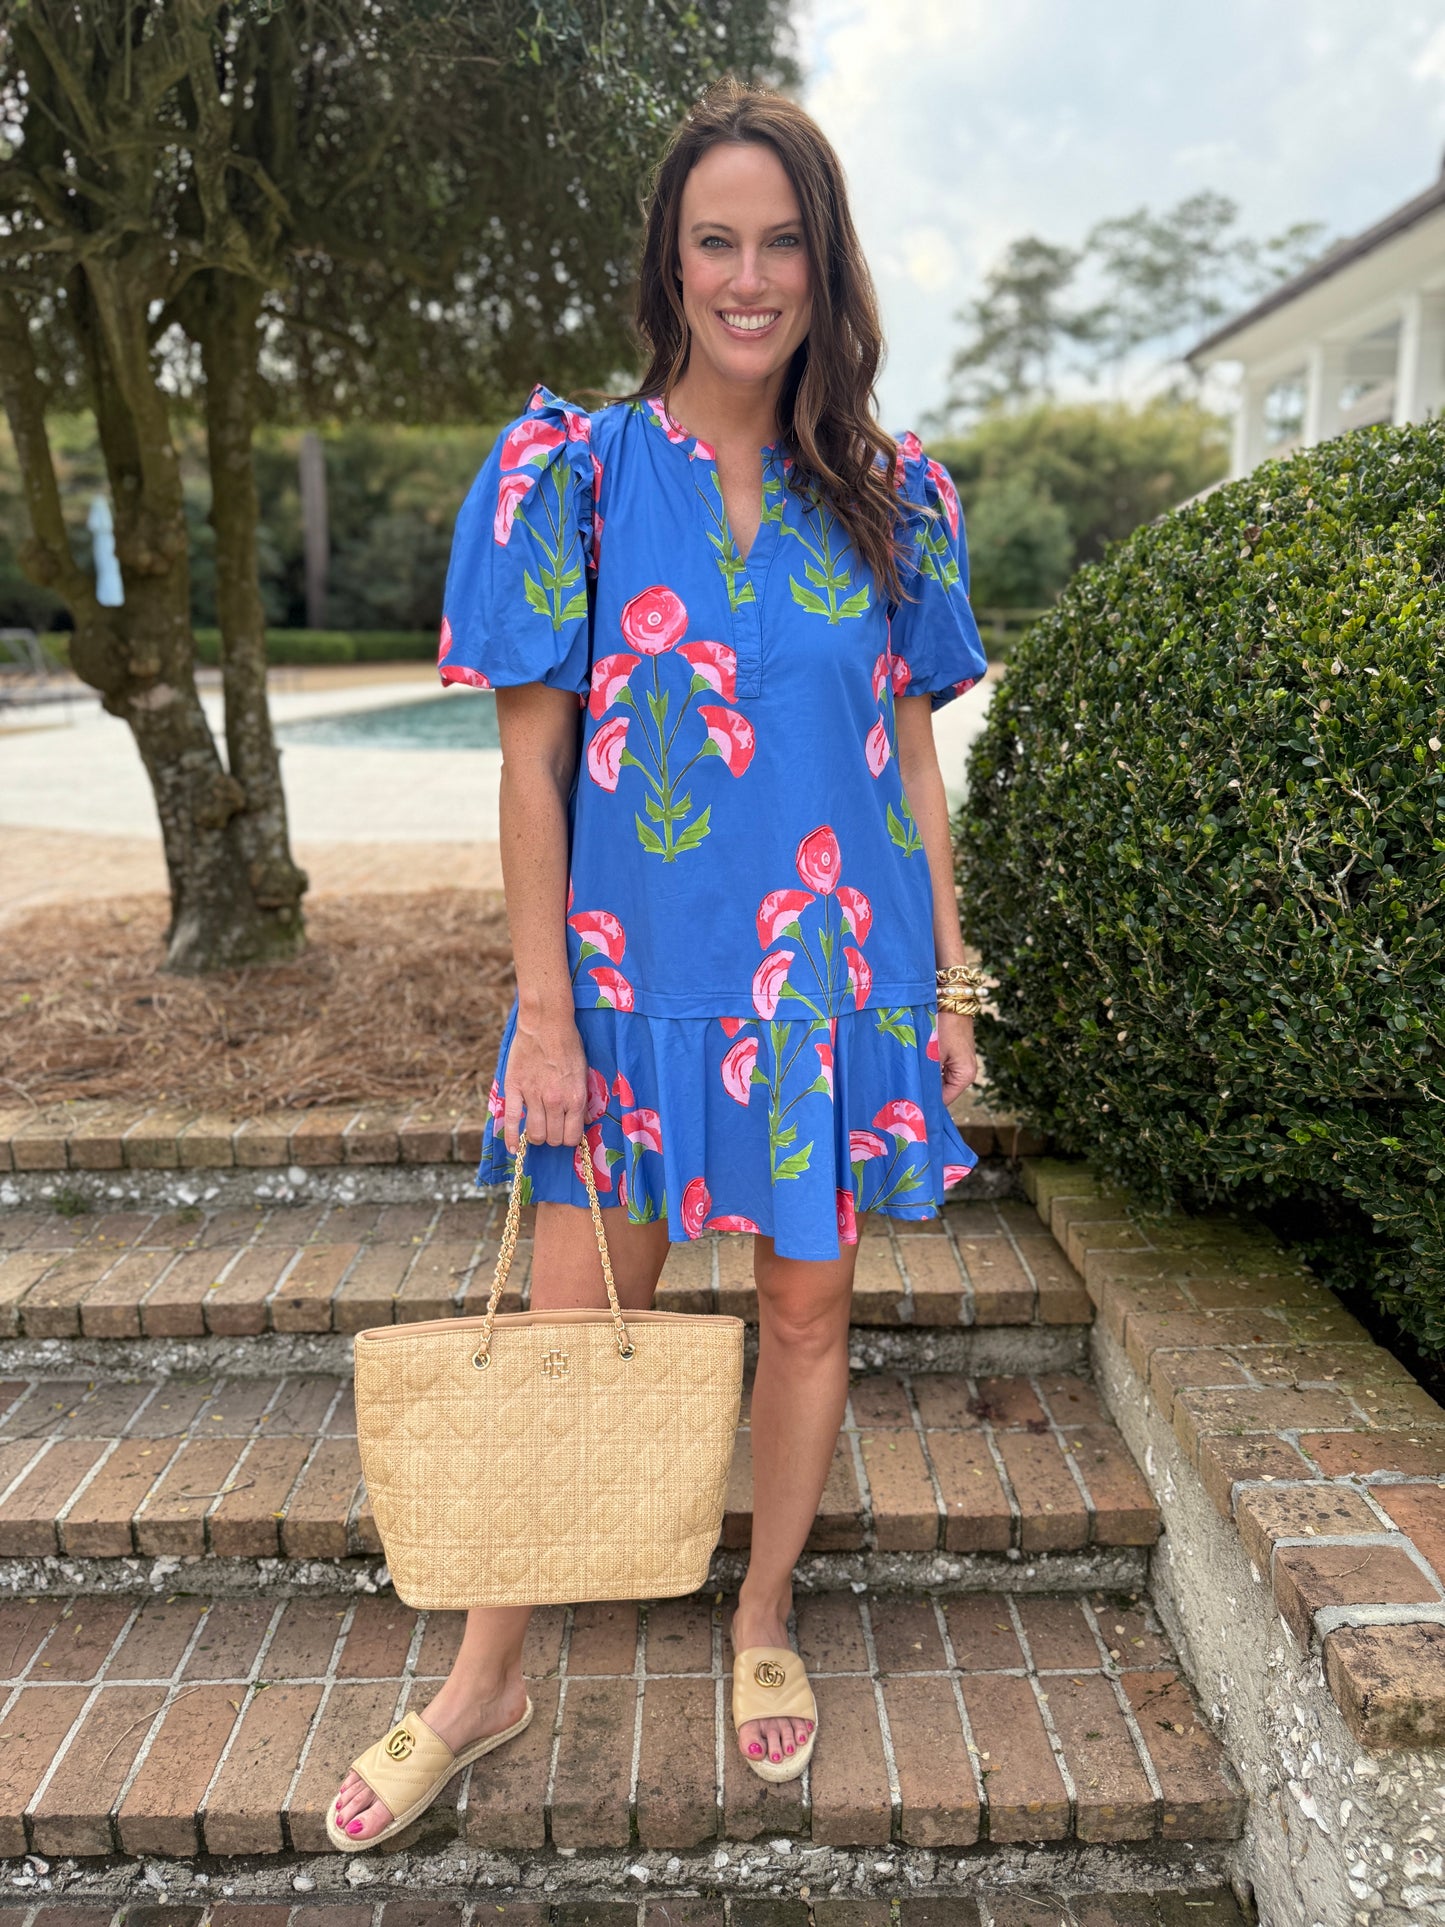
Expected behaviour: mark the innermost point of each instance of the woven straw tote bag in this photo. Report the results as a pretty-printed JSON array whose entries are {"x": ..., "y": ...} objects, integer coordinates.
[{"x": 545, "y": 1457}]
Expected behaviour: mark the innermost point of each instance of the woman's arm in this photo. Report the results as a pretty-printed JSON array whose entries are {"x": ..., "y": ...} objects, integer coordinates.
[
  {"x": 547, "y": 1065},
  {"x": 923, "y": 786}
]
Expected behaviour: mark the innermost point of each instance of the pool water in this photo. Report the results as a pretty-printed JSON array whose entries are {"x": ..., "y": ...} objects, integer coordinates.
[{"x": 467, "y": 720}]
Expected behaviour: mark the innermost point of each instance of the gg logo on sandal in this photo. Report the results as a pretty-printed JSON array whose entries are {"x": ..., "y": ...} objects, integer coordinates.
[
  {"x": 767, "y": 1672},
  {"x": 399, "y": 1743}
]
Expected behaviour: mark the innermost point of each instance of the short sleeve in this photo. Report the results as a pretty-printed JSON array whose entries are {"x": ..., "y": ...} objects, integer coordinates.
[
  {"x": 516, "y": 605},
  {"x": 933, "y": 634}
]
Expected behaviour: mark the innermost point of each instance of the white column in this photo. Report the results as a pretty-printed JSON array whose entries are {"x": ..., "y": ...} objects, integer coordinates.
[
  {"x": 1249, "y": 425},
  {"x": 1324, "y": 379},
  {"x": 1420, "y": 362}
]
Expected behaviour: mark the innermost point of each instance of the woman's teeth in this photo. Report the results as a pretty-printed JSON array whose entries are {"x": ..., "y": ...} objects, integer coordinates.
[{"x": 752, "y": 321}]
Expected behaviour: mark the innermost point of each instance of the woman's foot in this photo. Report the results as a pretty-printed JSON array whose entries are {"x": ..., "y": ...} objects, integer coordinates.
[
  {"x": 774, "y": 1740},
  {"x": 459, "y": 1718}
]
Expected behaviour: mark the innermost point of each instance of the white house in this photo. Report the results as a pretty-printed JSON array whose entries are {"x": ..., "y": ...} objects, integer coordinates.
[{"x": 1359, "y": 337}]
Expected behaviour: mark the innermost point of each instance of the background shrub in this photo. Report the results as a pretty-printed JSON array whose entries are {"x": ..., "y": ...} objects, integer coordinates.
[{"x": 1204, "y": 853}]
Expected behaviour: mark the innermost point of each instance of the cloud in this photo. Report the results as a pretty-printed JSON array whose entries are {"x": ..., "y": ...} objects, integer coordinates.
[{"x": 963, "y": 124}]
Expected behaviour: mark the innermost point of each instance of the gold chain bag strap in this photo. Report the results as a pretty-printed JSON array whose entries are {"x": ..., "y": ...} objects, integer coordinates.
[{"x": 542, "y": 1457}]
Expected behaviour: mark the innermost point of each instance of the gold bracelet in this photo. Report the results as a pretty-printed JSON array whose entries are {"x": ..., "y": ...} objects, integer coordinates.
[
  {"x": 960, "y": 977},
  {"x": 956, "y": 1004}
]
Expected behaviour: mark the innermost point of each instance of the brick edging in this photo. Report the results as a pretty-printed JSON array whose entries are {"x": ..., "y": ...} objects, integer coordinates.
[
  {"x": 1313, "y": 1441},
  {"x": 100, "y": 1136}
]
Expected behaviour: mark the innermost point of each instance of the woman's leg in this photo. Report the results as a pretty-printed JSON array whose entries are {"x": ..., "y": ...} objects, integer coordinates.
[
  {"x": 484, "y": 1691},
  {"x": 799, "y": 1392}
]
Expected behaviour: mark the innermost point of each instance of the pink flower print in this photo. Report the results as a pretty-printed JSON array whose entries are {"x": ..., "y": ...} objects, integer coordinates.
[
  {"x": 604, "y": 753},
  {"x": 965, "y": 684},
  {"x": 860, "y": 975},
  {"x": 930, "y": 1049},
  {"x": 833, "y": 1032},
  {"x": 579, "y": 426},
  {"x": 716, "y": 664},
  {"x": 621, "y": 1088},
  {"x": 602, "y": 930},
  {"x": 596, "y": 480},
  {"x": 777, "y": 910},
  {"x": 596, "y": 555},
  {"x": 511, "y": 492},
  {"x": 703, "y": 453},
  {"x": 947, "y": 494},
  {"x": 768, "y": 980},
  {"x": 909, "y": 447},
  {"x": 863, "y": 1145},
  {"x": 857, "y": 912},
  {"x": 622, "y": 1190},
  {"x": 596, "y": 1096},
  {"x": 819, "y": 860},
  {"x": 737, "y": 1069},
  {"x": 730, "y": 1221},
  {"x": 665, "y": 421},
  {"x": 601, "y": 1169},
  {"x": 496, "y": 1103},
  {"x": 732, "y": 1025},
  {"x": 732, "y": 736},
  {"x": 654, "y": 621},
  {"x": 609, "y": 679},
  {"x": 899, "y": 674},
  {"x": 530, "y": 443},
  {"x": 644, "y": 1128},
  {"x": 615, "y": 989},
  {"x": 825, "y": 1064},
  {"x": 696, "y": 1204},
  {"x": 904, "y": 1119},
  {"x": 877, "y": 749},
  {"x": 880, "y": 674},
  {"x": 444, "y": 642},
  {"x": 847, "y": 1218},
  {"x": 457, "y": 672},
  {"x": 952, "y": 1173}
]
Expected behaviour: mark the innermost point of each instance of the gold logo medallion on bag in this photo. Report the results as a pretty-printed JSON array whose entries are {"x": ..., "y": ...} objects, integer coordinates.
[
  {"x": 555, "y": 1365},
  {"x": 767, "y": 1672},
  {"x": 399, "y": 1743}
]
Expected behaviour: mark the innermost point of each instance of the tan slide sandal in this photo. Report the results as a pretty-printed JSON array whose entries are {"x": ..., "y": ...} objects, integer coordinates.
[
  {"x": 771, "y": 1683},
  {"x": 406, "y": 1770}
]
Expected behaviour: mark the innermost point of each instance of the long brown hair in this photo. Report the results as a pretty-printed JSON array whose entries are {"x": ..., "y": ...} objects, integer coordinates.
[{"x": 825, "y": 410}]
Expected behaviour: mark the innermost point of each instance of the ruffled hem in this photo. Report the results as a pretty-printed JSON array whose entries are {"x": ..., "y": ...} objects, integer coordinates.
[{"x": 723, "y": 1124}]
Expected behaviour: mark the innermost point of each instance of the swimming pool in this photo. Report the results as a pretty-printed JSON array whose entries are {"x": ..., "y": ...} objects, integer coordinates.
[{"x": 467, "y": 720}]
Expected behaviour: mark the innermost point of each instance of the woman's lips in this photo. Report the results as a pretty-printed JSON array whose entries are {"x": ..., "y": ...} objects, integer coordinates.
[{"x": 753, "y": 331}]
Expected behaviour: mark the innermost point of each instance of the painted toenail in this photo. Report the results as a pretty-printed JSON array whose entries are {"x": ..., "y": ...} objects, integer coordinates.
[
  {"x": 787, "y": 1749},
  {"x": 777, "y": 1756},
  {"x": 755, "y": 1748},
  {"x": 355, "y": 1827}
]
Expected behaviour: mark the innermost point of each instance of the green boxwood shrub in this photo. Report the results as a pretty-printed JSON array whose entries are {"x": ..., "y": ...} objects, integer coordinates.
[{"x": 1204, "y": 855}]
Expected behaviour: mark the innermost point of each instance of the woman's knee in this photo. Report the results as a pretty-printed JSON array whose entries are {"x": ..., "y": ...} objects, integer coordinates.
[
  {"x": 808, "y": 1314},
  {"x": 567, "y": 1265}
]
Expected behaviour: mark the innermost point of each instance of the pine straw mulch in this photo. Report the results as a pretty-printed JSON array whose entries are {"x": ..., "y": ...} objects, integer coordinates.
[{"x": 398, "y": 1000}]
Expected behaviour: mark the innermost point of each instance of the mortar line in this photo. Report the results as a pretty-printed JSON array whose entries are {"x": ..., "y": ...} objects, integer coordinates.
[
  {"x": 715, "y": 1653},
  {"x": 268, "y": 1303},
  {"x": 227, "y": 1487},
  {"x": 176, "y": 1689},
  {"x": 1091, "y": 1511},
  {"x": 950, "y": 1657},
  {"x": 564, "y": 1653},
  {"x": 311, "y": 1452},
  {"x": 1041, "y": 1700},
  {"x": 639, "y": 1677},
  {"x": 1126, "y": 1711},
  {"x": 248, "y": 1699},
  {"x": 885, "y": 1730},
  {"x": 348, "y": 1619},
  {"x": 112, "y": 1446},
  {"x": 1016, "y": 1511},
  {"x": 60, "y": 1752},
  {"x": 860, "y": 1474},
  {"x": 1024, "y": 1264},
  {"x": 920, "y": 1432}
]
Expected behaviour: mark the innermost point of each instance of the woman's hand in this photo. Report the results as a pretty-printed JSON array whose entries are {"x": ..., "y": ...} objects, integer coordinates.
[
  {"x": 957, "y": 1058},
  {"x": 546, "y": 1076}
]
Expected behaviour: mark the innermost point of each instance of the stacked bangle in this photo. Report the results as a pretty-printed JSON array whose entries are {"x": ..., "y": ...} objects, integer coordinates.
[{"x": 960, "y": 989}]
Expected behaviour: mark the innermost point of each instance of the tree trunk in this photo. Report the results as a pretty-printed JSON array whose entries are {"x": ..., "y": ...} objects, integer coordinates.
[
  {"x": 140, "y": 657},
  {"x": 229, "y": 311}
]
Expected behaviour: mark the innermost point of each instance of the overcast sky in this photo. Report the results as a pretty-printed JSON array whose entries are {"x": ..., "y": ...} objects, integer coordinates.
[{"x": 964, "y": 123}]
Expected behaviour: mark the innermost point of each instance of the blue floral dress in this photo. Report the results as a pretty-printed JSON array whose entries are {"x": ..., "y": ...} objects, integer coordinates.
[{"x": 749, "y": 911}]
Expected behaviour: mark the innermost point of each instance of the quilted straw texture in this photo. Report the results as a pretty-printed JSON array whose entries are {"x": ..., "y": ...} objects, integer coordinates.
[{"x": 562, "y": 1472}]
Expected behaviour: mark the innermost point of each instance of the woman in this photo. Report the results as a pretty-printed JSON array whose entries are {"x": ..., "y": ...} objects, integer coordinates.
[{"x": 729, "y": 878}]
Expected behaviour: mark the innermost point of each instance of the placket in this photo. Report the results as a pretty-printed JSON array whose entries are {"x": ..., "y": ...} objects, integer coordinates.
[{"x": 745, "y": 612}]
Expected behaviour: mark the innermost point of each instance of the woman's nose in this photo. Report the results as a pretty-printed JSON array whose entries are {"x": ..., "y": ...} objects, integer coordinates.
[{"x": 748, "y": 277}]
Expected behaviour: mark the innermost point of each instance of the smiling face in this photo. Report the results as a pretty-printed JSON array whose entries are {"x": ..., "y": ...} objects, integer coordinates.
[{"x": 745, "y": 273}]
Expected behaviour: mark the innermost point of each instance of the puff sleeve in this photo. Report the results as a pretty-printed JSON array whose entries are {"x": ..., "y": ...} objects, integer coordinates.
[
  {"x": 516, "y": 605},
  {"x": 934, "y": 635}
]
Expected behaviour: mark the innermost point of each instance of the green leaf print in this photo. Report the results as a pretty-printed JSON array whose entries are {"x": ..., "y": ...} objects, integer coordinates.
[
  {"x": 894, "y": 1023},
  {"x": 827, "y": 567},
  {"x": 552, "y": 596},
  {"x": 695, "y": 831},
  {"x": 794, "y": 1166},
  {"x": 730, "y": 563},
  {"x": 649, "y": 839},
  {"x": 905, "y": 833}
]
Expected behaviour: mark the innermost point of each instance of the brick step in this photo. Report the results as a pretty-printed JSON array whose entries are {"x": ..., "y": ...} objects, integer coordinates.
[
  {"x": 245, "y": 1271},
  {"x": 186, "y": 1726},
  {"x": 255, "y": 1468},
  {"x": 1010, "y": 1906}
]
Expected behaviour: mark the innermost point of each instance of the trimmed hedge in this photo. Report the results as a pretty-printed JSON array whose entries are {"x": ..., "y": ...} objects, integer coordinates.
[
  {"x": 331, "y": 645},
  {"x": 1204, "y": 855}
]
